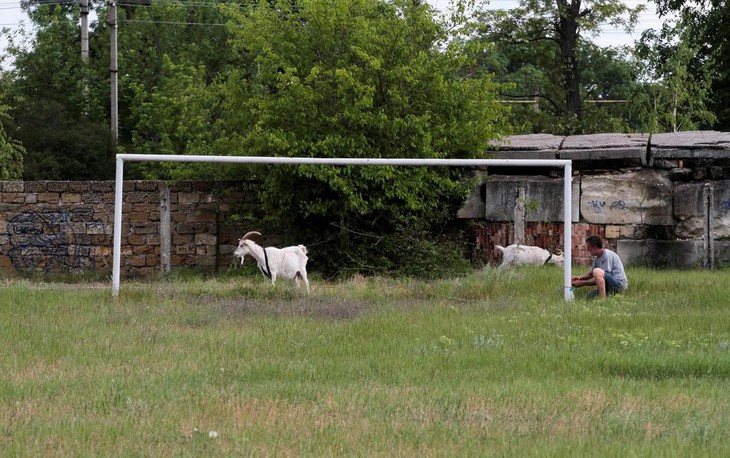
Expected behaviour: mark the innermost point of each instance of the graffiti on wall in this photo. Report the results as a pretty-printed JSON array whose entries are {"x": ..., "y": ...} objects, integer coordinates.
[
  {"x": 49, "y": 240},
  {"x": 599, "y": 206}
]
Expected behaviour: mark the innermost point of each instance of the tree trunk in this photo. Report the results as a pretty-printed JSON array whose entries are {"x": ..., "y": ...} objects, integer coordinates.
[{"x": 567, "y": 29}]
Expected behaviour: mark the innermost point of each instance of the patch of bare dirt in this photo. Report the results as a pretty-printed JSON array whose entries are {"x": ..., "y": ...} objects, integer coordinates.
[{"x": 326, "y": 308}]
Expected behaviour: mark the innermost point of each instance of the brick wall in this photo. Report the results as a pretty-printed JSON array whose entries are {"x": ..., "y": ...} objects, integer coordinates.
[
  {"x": 60, "y": 226},
  {"x": 543, "y": 234}
]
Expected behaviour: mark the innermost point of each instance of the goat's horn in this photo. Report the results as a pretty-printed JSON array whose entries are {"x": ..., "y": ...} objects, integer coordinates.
[{"x": 248, "y": 234}]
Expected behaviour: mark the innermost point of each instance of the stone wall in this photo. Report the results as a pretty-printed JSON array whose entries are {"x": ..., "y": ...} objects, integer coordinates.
[
  {"x": 67, "y": 227},
  {"x": 660, "y": 200}
]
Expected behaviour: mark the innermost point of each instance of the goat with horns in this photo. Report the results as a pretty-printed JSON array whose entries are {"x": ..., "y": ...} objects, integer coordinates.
[{"x": 289, "y": 262}]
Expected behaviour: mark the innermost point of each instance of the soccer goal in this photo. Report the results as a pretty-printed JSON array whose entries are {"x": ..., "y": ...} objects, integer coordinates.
[{"x": 565, "y": 164}]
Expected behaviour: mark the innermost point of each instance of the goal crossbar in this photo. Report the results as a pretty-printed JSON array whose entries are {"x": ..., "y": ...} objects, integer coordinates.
[{"x": 565, "y": 164}]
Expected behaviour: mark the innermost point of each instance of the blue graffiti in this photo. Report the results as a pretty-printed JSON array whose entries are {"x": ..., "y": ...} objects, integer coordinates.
[
  {"x": 618, "y": 205},
  {"x": 47, "y": 241},
  {"x": 725, "y": 205},
  {"x": 597, "y": 205}
]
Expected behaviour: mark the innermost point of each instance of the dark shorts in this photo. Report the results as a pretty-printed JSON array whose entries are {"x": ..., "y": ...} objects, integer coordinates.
[{"x": 613, "y": 286}]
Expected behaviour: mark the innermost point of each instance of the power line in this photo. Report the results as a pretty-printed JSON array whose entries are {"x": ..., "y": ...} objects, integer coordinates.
[
  {"x": 179, "y": 3},
  {"x": 138, "y": 21},
  {"x": 646, "y": 19}
]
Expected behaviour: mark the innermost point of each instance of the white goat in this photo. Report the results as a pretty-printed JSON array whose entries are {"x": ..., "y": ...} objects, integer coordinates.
[
  {"x": 520, "y": 255},
  {"x": 289, "y": 262}
]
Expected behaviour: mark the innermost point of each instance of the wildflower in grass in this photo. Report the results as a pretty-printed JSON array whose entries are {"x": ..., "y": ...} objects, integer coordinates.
[
  {"x": 493, "y": 341},
  {"x": 445, "y": 344}
]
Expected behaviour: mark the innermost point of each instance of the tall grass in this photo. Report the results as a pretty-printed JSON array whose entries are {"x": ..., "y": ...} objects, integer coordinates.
[{"x": 495, "y": 363}]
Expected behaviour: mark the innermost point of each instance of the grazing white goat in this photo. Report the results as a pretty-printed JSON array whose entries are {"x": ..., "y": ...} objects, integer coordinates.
[
  {"x": 521, "y": 255},
  {"x": 289, "y": 262}
]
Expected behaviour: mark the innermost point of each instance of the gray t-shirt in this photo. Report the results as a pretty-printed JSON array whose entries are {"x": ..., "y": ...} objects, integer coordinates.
[{"x": 612, "y": 265}]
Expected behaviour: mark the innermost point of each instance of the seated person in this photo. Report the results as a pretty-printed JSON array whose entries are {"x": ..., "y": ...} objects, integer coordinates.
[{"x": 607, "y": 271}]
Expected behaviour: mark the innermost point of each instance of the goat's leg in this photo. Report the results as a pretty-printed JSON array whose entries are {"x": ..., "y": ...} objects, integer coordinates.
[
  {"x": 303, "y": 275},
  {"x": 273, "y": 278}
]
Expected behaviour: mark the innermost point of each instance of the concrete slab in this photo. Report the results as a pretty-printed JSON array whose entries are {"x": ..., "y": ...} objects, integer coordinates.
[
  {"x": 533, "y": 146},
  {"x": 643, "y": 197},
  {"x": 707, "y": 144},
  {"x": 662, "y": 253},
  {"x": 605, "y": 147},
  {"x": 544, "y": 198}
]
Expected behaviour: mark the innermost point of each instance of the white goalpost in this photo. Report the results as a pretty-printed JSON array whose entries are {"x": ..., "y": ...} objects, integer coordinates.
[{"x": 564, "y": 163}]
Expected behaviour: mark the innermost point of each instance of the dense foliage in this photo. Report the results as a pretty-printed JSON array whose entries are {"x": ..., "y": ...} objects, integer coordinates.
[
  {"x": 342, "y": 78},
  {"x": 11, "y": 154},
  {"x": 547, "y": 47},
  {"x": 361, "y": 79},
  {"x": 315, "y": 78},
  {"x": 531, "y": 72},
  {"x": 676, "y": 92},
  {"x": 54, "y": 103},
  {"x": 703, "y": 27}
]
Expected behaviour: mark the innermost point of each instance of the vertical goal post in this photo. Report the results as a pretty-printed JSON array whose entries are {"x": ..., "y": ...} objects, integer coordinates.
[{"x": 565, "y": 164}]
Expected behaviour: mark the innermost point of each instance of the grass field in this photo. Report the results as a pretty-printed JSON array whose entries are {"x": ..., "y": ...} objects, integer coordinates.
[{"x": 496, "y": 363}]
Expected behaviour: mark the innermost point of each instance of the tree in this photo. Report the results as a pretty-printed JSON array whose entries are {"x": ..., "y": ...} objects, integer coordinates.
[
  {"x": 557, "y": 30},
  {"x": 164, "y": 48},
  {"x": 704, "y": 26},
  {"x": 61, "y": 104},
  {"x": 609, "y": 80},
  {"x": 56, "y": 113},
  {"x": 176, "y": 116},
  {"x": 358, "y": 78},
  {"x": 676, "y": 82},
  {"x": 324, "y": 78},
  {"x": 532, "y": 89},
  {"x": 11, "y": 154}
]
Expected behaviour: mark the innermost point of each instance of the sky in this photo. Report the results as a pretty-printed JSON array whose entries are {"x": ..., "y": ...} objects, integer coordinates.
[{"x": 11, "y": 16}]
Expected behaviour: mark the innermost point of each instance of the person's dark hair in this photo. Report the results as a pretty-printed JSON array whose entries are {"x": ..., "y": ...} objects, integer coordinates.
[{"x": 594, "y": 241}]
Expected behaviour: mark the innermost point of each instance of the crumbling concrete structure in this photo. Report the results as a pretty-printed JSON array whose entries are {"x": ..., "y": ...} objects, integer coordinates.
[{"x": 659, "y": 200}]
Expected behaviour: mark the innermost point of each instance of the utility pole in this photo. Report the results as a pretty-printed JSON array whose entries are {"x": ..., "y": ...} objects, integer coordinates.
[
  {"x": 113, "y": 69},
  {"x": 85, "y": 30},
  {"x": 85, "y": 51}
]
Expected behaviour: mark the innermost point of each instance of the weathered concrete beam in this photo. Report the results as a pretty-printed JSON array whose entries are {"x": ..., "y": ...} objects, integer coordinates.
[
  {"x": 709, "y": 144},
  {"x": 624, "y": 150},
  {"x": 694, "y": 201},
  {"x": 609, "y": 151},
  {"x": 473, "y": 206},
  {"x": 533, "y": 146},
  {"x": 720, "y": 209},
  {"x": 543, "y": 196},
  {"x": 643, "y": 197},
  {"x": 662, "y": 253}
]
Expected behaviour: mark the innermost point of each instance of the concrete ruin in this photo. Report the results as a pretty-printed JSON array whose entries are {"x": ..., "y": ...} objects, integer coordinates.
[{"x": 659, "y": 200}]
